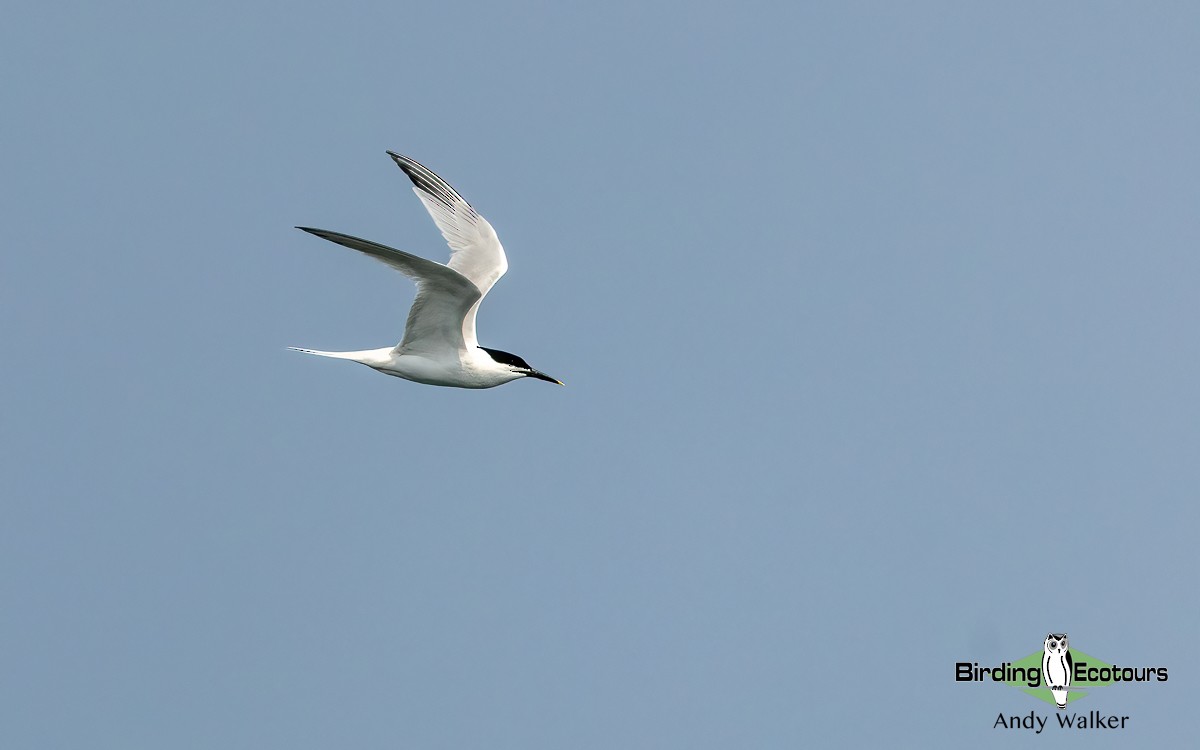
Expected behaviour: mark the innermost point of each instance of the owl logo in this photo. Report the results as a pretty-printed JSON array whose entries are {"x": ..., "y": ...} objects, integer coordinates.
[{"x": 1057, "y": 667}]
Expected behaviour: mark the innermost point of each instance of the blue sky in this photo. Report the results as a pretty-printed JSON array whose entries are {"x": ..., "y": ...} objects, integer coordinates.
[{"x": 877, "y": 322}]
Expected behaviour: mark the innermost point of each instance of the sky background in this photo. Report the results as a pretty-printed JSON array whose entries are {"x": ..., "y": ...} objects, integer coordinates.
[{"x": 878, "y": 324}]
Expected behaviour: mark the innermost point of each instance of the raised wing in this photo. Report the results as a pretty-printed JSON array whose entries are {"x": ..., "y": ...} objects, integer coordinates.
[
  {"x": 475, "y": 251},
  {"x": 444, "y": 298}
]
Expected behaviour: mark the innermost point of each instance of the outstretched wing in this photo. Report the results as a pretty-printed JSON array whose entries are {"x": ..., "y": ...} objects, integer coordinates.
[
  {"x": 475, "y": 251},
  {"x": 444, "y": 297}
]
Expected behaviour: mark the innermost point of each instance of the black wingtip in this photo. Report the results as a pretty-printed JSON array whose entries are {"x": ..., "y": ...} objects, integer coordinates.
[
  {"x": 411, "y": 166},
  {"x": 403, "y": 162}
]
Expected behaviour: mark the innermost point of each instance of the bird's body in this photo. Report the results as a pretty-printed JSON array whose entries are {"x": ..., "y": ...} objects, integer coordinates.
[
  {"x": 470, "y": 369},
  {"x": 439, "y": 345}
]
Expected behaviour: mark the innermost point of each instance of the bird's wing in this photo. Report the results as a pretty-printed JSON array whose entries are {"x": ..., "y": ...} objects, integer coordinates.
[
  {"x": 475, "y": 251},
  {"x": 444, "y": 297}
]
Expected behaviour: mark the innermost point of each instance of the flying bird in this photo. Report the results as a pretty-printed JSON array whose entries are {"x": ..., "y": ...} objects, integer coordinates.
[{"x": 439, "y": 345}]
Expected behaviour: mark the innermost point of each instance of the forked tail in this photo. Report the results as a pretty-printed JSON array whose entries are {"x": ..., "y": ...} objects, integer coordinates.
[{"x": 354, "y": 356}]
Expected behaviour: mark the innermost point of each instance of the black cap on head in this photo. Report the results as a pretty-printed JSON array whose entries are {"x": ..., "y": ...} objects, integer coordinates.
[{"x": 512, "y": 360}]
